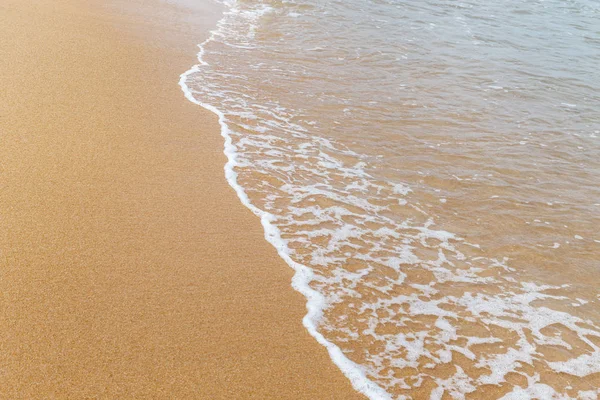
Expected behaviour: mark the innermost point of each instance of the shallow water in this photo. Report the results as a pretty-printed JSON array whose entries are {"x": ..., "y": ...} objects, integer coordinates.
[{"x": 431, "y": 170}]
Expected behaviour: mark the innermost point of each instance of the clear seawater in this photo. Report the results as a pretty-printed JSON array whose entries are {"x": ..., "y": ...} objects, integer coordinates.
[{"x": 431, "y": 169}]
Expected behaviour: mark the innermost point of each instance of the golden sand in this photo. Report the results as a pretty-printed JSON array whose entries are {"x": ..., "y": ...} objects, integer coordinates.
[{"x": 129, "y": 267}]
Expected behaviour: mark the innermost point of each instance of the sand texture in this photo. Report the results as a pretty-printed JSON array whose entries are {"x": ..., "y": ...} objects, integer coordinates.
[{"x": 130, "y": 269}]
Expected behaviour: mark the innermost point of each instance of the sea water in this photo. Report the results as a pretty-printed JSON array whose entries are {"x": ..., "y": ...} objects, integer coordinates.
[{"x": 431, "y": 170}]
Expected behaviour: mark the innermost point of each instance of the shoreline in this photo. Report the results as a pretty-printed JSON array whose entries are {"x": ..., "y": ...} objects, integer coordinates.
[
  {"x": 131, "y": 268},
  {"x": 315, "y": 301}
]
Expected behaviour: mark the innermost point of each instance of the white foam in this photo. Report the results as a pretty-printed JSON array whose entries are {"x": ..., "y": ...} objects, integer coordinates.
[
  {"x": 303, "y": 275},
  {"x": 332, "y": 217},
  {"x": 588, "y": 394},
  {"x": 581, "y": 366},
  {"x": 533, "y": 392}
]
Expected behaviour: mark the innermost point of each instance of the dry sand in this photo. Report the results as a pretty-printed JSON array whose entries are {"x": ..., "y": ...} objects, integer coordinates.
[{"x": 129, "y": 267}]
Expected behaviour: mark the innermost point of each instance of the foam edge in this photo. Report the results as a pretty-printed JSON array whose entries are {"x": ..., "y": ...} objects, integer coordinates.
[{"x": 315, "y": 302}]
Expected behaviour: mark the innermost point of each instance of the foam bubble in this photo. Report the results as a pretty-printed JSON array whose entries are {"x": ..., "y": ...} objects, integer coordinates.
[{"x": 378, "y": 274}]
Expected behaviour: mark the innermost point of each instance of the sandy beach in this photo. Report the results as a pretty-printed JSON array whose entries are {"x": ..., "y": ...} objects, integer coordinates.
[{"x": 130, "y": 269}]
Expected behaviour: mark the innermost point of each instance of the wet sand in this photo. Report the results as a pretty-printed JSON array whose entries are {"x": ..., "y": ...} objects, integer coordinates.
[{"x": 129, "y": 267}]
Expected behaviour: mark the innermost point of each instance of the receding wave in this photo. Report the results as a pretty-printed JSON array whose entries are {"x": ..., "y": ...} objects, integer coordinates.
[{"x": 437, "y": 253}]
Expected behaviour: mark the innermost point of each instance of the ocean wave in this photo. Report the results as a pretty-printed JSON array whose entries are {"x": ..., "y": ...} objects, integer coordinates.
[{"x": 404, "y": 308}]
